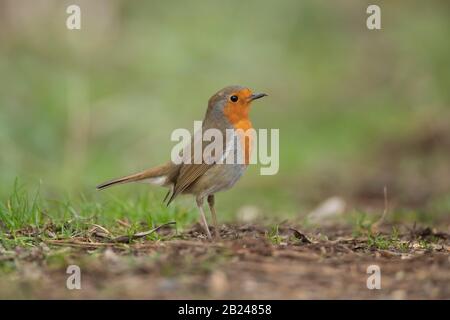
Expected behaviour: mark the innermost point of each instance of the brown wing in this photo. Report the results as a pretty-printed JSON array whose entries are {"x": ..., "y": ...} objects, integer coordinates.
[{"x": 189, "y": 173}]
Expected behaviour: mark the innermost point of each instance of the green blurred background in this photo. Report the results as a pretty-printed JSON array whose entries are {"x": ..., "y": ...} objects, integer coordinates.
[{"x": 357, "y": 109}]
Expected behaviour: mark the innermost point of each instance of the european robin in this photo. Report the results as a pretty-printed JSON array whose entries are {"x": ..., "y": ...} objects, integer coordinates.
[{"x": 227, "y": 110}]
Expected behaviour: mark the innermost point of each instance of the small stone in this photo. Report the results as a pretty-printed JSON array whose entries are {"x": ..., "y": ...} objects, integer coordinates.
[
  {"x": 218, "y": 283},
  {"x": 400, "y": 275},
  {"x": 248, "y": 214},
  {"x": 110, "y": 256},
  {"x": 398, "y": 295},
  {"x": 330, "y": 208}
]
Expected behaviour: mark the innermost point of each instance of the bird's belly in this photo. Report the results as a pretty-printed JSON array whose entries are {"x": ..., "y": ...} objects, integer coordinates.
[{"x": 218, "y": 178}]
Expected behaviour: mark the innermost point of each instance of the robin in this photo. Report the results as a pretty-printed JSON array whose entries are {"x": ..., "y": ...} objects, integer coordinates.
[{"x": 227, "y": 110}]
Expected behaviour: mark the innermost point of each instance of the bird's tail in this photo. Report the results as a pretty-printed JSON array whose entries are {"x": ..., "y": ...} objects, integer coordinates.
[{"x": 157, "y": 175}]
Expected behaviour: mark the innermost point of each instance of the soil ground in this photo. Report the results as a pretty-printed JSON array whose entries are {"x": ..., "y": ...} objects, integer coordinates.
[{"x": 248, "y": 262}]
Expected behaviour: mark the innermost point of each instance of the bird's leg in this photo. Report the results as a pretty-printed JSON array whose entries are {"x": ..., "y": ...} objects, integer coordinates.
[
  {"x": 213, "y": 215},
  {"x": 202, "y": 215}
]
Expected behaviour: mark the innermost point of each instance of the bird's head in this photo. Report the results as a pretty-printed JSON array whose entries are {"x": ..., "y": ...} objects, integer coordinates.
[{"x": 232, "y": 102}]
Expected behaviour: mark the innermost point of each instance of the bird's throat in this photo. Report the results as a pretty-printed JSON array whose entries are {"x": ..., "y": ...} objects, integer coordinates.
[{"x": 238, "y": 115}]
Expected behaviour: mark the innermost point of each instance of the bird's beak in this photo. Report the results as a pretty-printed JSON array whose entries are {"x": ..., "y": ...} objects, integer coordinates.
[{"x": 257, "y": 96}]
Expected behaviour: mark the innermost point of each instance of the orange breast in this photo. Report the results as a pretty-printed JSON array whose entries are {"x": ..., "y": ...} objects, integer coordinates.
[
  {"x": 237, "y": 114},
  {"x": 246, "y": 141}
]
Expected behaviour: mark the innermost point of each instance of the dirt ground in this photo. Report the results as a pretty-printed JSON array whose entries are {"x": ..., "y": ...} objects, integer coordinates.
[{"x": 247, "y": 263}]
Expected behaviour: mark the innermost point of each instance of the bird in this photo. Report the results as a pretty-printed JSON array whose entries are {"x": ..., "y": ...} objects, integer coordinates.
[{"x": 227, "y": 110}]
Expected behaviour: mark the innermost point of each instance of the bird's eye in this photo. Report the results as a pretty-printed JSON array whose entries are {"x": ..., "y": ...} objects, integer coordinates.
[{"x": 234, "y": 98}]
